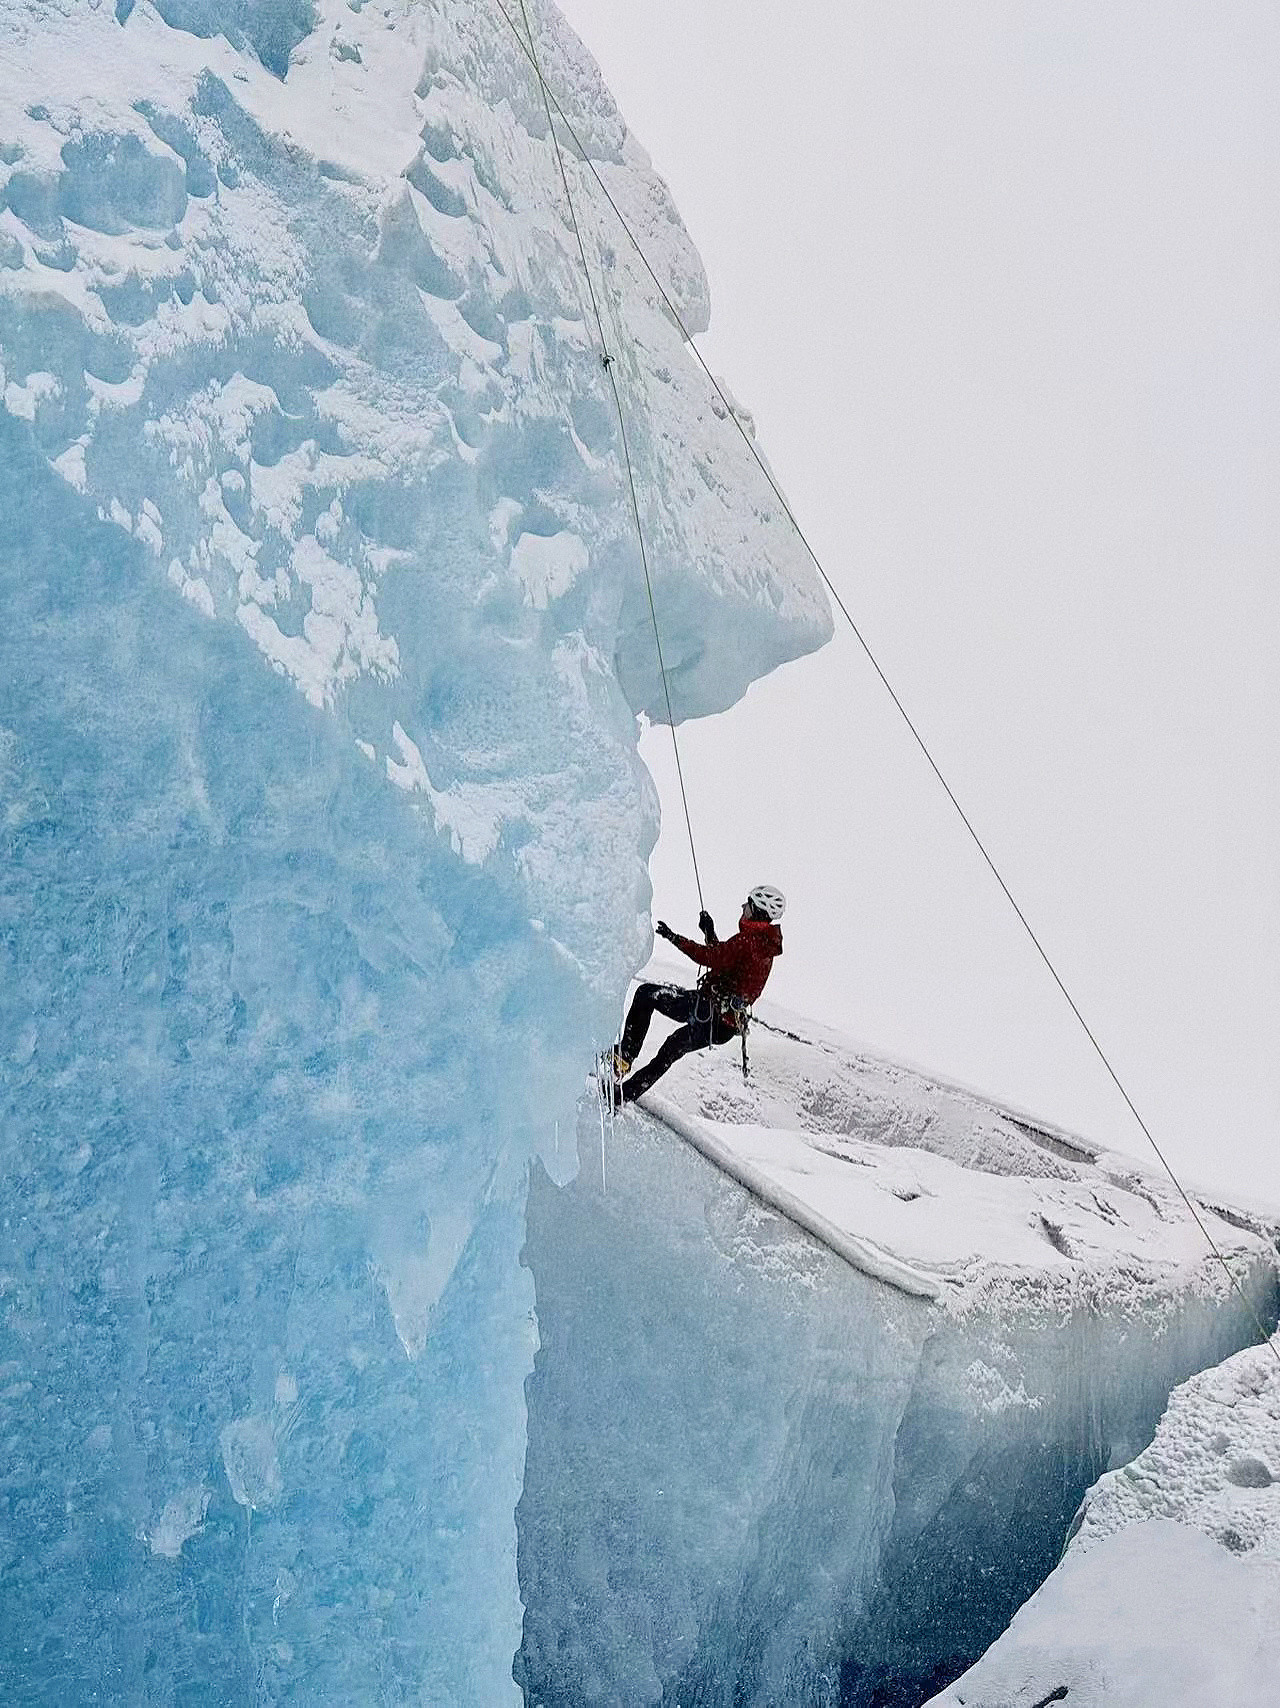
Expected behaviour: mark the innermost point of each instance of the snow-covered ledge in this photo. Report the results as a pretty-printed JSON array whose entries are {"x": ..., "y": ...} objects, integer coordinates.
[{"x": 761, "y": 1471}]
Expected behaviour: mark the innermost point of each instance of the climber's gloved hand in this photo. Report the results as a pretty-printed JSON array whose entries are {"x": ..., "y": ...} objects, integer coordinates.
[
  {"x": 707, "y": 926},
  {"x": 664, "y": 930}
]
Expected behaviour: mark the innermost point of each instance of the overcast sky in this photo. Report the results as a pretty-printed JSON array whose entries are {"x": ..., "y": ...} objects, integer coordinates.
[{"x": 999, "y": 282}]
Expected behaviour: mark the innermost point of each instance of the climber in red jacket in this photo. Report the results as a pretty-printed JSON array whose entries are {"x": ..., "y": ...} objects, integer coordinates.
[{"x": 736, "y": 971}]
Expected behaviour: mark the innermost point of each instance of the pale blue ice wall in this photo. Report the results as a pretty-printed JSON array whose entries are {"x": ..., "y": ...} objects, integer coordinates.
[
  {"x": 323, "y": 833},
  {"x": 257, "y": 1034}
]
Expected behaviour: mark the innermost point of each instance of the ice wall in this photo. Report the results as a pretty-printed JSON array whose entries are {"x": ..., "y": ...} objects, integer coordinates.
[
  {"x": 323, "y": 835},
  {"x": 757, "y": 1474}
]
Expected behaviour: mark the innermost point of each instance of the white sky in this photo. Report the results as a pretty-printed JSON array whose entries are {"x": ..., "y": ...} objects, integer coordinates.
[{"x": 999, "y": 282}]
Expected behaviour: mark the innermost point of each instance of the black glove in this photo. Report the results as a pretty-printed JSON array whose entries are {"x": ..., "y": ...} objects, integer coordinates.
[
  {"x": 707, "y": 926},
  {"x": 664, "y": 930}
]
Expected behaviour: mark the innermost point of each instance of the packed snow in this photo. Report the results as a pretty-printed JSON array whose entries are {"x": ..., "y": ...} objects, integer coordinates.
[
  {"x": 1169, "y": 1594},
  {"x": 931, "y": 1175},
  {"x": 324, "y": 834},
  {"x": 832, "y": 1355}
]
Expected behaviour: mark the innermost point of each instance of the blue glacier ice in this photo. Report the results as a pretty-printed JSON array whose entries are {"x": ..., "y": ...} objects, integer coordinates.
[
  {"x": 322, "y": 831},
  {"x": 323, "y": 1378}
]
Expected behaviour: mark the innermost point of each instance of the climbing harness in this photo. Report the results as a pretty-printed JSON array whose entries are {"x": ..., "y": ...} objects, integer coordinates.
[
  {"x": 550, "y": 101},
  {"x": 737, "y": 1013},
  {"x": 731, "y": 1010}
]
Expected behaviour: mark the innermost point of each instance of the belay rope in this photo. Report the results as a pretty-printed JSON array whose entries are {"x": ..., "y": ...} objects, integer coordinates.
[
  {"x": 549, "y": 101},
  {"x": 607, "y": 363}
]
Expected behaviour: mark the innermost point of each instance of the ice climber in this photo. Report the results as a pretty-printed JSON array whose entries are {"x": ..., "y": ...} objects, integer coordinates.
[{"x": 718, "y": 1010}]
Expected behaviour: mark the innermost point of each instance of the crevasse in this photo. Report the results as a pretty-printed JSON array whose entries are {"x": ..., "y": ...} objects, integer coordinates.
[
  {"x": 1169, "y": 1588},
  {"x": 323, "y": 830}
]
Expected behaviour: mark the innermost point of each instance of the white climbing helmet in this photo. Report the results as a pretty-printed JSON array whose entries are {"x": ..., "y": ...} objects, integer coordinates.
[{"x": 768, "y": 901}]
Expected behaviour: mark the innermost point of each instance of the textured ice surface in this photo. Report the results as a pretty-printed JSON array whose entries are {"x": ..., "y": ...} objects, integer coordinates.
[
  {"x": 756, "y": 1473},
  {"x": 1169, "y": 1595},
  {"x": 1214, "y": 1464},
  {"x": 322, "y": 834}
]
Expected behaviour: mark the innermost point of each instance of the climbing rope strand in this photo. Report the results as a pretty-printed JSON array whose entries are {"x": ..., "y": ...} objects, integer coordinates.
[
  {"x": 657, "y": 640},
  {"x": 550, "y": 100},
  {"x": 607, "y": 362},
  {"x": 531, "y": 50}
]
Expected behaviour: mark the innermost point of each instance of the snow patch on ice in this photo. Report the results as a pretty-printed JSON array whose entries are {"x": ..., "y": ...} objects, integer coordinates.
[
  {"x": 182, "y": 1518},
  {"x": 992, "y": 1392},
  {"x": 547, "y": 565},
  {"x": 193, "y": 587},
  {"x": 70, "y": 465},
  {"x": 24, "y": 400},
  {"x": 252, "y": 1463}
]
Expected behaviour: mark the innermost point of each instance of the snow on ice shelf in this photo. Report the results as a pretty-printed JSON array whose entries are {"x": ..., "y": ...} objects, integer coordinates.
[
  {"x": 322, "y": 830},
  {"x": 791, "y": 1481},
  {"x": 928, "y": 1175}
]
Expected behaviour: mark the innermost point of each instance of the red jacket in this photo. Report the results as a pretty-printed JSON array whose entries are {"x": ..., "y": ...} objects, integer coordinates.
[{"x": 740, "y": 966}]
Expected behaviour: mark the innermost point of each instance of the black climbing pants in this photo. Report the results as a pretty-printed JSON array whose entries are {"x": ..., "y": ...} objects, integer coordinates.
[{"x": 703, "y": 1025}]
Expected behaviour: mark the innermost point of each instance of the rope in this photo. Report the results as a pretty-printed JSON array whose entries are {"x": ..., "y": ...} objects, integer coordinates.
[
  {"x": 607, "y": 362},
  {"x": 920, "y": 742}
]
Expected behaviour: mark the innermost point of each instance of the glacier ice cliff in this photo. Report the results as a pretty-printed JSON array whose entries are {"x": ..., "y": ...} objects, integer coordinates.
[
  {"x": 824, "y": 1465},
  {"x": 322, "y": 832},
  {"x": 322, "y": 870}
]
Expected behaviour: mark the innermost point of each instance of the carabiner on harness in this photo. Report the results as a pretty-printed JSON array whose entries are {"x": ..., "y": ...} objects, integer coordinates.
[
  {"x": 735, "y": 1011},
  {"x": 730, "y": 1009}
]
